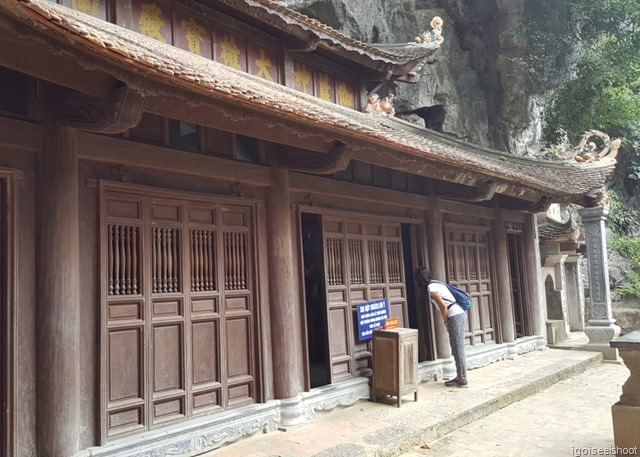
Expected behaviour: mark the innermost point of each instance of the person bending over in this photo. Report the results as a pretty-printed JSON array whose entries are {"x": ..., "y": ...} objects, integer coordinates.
[{"x": 455, "y": 320}]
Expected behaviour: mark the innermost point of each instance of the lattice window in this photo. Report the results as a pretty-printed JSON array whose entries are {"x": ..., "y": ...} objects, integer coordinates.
[
  {"x": 165, "y": 260},
  {"x": 376, "y": 264},
  {"x": 124, "y": 255},
  {"x": 356, "y": 262},
  {"x": 394, "y": 256},
  {"x": 203, "y": 271},
  {"x": 334, "y": 266},
  {"x": 235, "y": 261}
]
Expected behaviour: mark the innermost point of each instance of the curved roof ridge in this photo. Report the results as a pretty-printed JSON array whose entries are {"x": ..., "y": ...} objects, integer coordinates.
[{"x": 397, "y": 53}]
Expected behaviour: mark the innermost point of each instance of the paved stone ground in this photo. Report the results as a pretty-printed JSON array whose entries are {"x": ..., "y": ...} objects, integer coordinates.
[{"x": 574, "y": 413}]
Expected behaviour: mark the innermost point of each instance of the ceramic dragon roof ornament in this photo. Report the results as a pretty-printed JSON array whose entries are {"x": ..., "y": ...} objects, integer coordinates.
[{"x": 604, "y": 149}]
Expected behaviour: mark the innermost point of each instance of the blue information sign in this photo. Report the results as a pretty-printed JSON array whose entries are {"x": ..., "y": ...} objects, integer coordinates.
[{"x": 371, "y": 315}]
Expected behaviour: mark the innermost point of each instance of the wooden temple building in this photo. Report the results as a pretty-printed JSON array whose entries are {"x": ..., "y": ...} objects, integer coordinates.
[{"x": 193, "y": 201}]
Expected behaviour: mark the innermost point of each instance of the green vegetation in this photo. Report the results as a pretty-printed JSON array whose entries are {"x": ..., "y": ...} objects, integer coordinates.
[
  {"x": 624, "y": 221},
  {"x": 584, "y": 56}
]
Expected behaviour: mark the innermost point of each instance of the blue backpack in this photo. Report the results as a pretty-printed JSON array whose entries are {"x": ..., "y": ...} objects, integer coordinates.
[{"x": 461, "y": 297}]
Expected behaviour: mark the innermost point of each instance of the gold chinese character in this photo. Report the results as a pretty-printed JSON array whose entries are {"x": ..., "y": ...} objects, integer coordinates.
[
  {"x": 325, "y": 87},
  {"x": 302, "y": 76},
  {"x": 230, "y": 52},
  {"x": 194, "y": 33},
  {"x": 345, "y": 96},
  {"x": 86, "y": 6},
  {"x": 263, "y": 64},
  {"x": 150, "y": 22}
]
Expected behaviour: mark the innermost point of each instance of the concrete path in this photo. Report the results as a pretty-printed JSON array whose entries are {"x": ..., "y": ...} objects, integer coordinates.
[
  {"x": 380, "y": 430},
  {"x": 571, "y": 418}
]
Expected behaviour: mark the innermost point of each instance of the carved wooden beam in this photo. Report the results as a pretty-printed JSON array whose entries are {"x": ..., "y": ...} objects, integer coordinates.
[
  {"x": 514, "y": 204},
  {"x": 120, "y": 112},
  {"x": 337, "y": 159},
  {"x": 484, "y": 192}
]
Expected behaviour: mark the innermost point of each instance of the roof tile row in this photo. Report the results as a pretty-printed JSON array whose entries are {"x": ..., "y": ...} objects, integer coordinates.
[{"x": 214, "y": 80}]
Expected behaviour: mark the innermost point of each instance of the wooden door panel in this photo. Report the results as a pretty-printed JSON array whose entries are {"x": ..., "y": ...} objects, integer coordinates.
[
  {"x": 168, "y": 358},
  {"x": 240, "y": 392},
  {"x": 124, "y": 207},
  {"x": 168, "y": 410},
  {"x": 338, "y": 342},
  {"x": 469, "y": 267},
  {"x": 125, "y": 311},
  {"x": 363, "y": 262},
  {"x": 398, "y": 310},
  {"x": 206, "y": 402},
  {"x": 359, "y": 295},
  {"x": 238, "y": 347},
  {"x": 125, "y": 368},
  {"x": 181, "y": 270},
  {"x": 205, "y": 349},
  {"x": 126, "y": 421}
]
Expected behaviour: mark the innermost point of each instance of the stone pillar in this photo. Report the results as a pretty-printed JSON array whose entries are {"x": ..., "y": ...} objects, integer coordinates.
[
  {"x": 57, "y": 291},
  {"x": 601, "y": 328},
  {"x": 437, "y": 265},
  {"x": 503, "y": 281},
  {"x": 286, "y": 320},
  {"x": 537, "y": 306},
  {"x": 557, "y": 324},
  {"x": 575, "y": 292},
  {"x": 626, "y": 412}
]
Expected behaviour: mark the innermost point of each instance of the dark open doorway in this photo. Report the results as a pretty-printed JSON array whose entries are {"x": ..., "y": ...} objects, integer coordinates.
[
  {"x": 419, "y": 316},
  {"x": 518, "y": 293},
  {"x": 315, "y": 299},
  {"x": 5, "y": 346}
]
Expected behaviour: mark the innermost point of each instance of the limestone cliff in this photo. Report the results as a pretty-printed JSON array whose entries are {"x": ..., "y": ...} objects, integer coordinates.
[{"x": 470, "y": 89}]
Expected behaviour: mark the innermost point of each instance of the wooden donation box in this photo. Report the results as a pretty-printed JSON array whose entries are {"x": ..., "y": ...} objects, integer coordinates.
[{"x": 395, "y": 363}]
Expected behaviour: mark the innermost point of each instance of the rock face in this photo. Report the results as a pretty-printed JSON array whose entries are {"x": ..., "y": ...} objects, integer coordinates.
[{"x": 471, "y": 88}]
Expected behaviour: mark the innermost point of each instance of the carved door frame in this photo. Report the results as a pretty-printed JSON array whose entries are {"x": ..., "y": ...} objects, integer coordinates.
[{"x": 8, "y": 330}]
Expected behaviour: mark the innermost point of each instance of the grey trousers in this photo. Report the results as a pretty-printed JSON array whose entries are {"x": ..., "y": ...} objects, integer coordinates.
[{"x": 456, "y": 325}]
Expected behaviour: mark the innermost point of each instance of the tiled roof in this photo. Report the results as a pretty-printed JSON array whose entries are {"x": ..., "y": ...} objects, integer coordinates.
[
  {"x": 209, "y": 79},
  {"x": 287, "y": 19},
  {"x": 559, "y": 232}
]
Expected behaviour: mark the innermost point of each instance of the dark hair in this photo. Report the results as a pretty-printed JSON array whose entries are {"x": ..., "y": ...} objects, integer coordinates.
[{"x": 423, "y": 275}]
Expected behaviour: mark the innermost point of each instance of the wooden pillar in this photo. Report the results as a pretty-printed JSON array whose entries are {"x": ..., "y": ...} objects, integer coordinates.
[
  {"x": 503, "y": 278},
  {"x": 532, "y": 263},
  {"x": 437, "y": 265},
  {"x": 57, "y": 291},
  {"x": 286, "y": 320}
]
